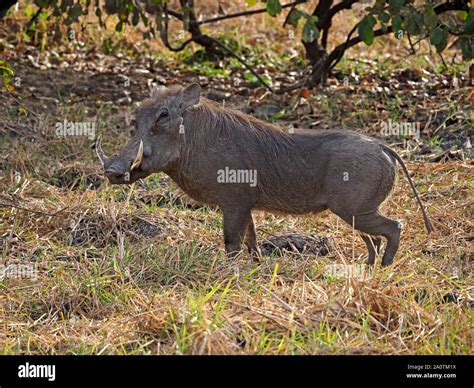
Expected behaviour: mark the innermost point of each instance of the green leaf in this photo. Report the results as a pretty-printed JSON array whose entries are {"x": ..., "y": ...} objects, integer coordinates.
[
  {"x": 397, "y": 25},
  {"x": 469, "y": 24},
  {"x": 6, "y": 70},
  {"x": 75, "y": 12},
  {"x": 439, "y": 38},
  {"x": 251, "y": 3},
  {"x": 120, "y": 26},
  {"x": 467, "y": 48},
  {"x": 294, "y": 16},
  {"x": 395, "y": 6},
  {"x": 310, "y": 31},
  {"x": 412, "y": 23},
  {"x": 430, "y": 19},
  {"x": 384, "y": 17},
  {"x": 159, "y": 21},
  {"x": 273, "y": 7},
  {"x": 366, "y": 29},
  {"x": 135, "y": 17},
  {"x": 29, "y": 11}
]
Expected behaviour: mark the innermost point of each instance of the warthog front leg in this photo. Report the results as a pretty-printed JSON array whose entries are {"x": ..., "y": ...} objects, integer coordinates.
[{"x": 238, "y": 225}]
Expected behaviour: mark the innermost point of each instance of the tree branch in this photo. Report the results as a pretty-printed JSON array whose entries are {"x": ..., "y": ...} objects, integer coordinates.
[
  {"x": 180, "y": 16},
  {"x": 339, "y": 51},
  {"x": 345, "y": 4},
  {"x": 164, "y": 34},
  {"x": 190, "y": 24},
  {"x": 457, "y": 5},
  {"x": 246, "y": 13},
  {"x": 326, "y": 22},
  {"x": 175, "y": 14}
]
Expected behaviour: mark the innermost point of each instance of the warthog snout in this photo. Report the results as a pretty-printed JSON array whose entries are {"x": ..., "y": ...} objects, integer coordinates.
[{"x": 122, "y": 168}]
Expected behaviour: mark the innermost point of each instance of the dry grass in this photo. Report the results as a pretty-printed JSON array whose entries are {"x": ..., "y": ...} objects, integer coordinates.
[
  {"x": 113, "y": 289},
  {"x": 118, "y": 273}
]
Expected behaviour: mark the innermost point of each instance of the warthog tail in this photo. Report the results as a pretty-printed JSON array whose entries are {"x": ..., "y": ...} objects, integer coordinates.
[{"x": 429, "y": 226}]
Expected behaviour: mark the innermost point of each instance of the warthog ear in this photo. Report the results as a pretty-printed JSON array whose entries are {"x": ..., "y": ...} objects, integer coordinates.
[{"x": 190, "y": 96}]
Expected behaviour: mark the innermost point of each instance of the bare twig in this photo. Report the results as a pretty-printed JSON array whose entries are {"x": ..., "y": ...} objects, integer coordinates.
[
  {"x": 413, "y": 52},
  {"x": 341, "y": 49},
  {"x": 442, "y": 60}
]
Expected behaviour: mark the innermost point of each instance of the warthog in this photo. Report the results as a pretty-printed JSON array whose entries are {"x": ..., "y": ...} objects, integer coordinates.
[{"x": 224, "y": 157}]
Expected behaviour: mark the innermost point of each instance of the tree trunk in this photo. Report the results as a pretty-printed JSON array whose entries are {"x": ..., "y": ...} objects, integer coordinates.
[
  {"x": 315, "y": 51},
  {"x": 190, "y": 23}
]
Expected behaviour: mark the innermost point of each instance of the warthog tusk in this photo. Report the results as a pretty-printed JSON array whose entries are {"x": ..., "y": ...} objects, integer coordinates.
[
  {"x": 100, "y": 152},
  {"x": 138, "y": 159}
]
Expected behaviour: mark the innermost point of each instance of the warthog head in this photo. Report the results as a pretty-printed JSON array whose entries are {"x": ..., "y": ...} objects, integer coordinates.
[{"x": 156, "y": 142}]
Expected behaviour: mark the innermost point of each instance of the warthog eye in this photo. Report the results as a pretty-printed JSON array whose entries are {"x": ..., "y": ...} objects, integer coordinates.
[{"x": 163, "y": 115}]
